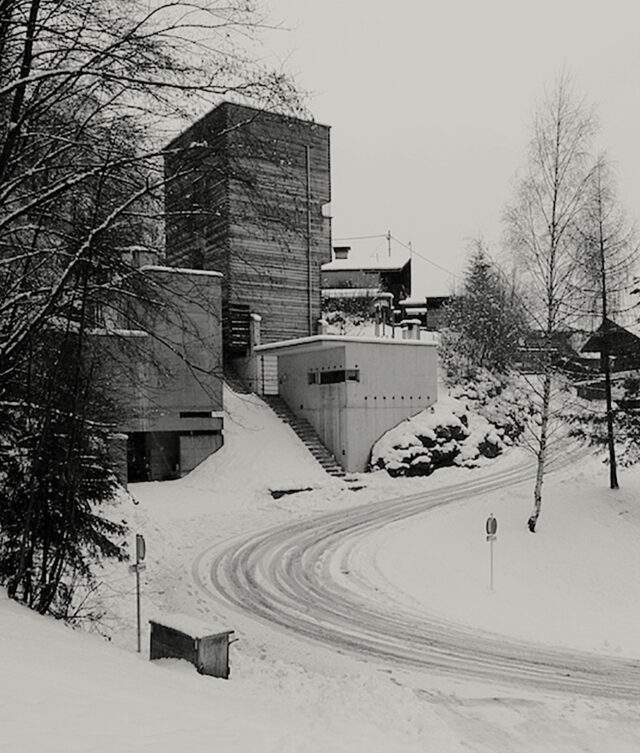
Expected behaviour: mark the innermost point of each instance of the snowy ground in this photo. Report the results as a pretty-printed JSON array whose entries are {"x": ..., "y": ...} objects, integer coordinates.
[{"x": 575, "y": 583}]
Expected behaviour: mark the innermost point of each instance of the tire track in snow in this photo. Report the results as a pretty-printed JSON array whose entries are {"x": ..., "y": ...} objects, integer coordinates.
[{"x": 289, "y": 575}]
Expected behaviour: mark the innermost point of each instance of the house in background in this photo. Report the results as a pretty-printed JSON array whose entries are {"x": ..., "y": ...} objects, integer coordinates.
[
  {"x": 624, "y": 352},
  {"x": 624, "y": 345},
  {"x": 347, "y": 277}
]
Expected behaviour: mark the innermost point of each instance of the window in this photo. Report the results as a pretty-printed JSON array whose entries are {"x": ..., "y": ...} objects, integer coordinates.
[
  {"x": 331, "y": 377},
  {"x": 335, "y": 376}
]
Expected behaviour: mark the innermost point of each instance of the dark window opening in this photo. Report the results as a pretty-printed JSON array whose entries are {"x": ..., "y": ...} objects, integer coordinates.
[
  {"x": 338, "y": 375},
  {"x": 196, "y": 414}
]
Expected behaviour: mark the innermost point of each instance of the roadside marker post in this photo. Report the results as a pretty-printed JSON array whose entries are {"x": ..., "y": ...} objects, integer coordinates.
[
  {"x": 491, "y": 529},
  {"x": 141, "y": 551}
]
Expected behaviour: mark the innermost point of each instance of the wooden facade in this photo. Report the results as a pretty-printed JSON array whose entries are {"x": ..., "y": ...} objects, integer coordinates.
[{"x": 245, "y": 196}]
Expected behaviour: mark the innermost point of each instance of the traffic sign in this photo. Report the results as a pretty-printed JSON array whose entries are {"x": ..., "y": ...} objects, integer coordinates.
[
  {"x": 141, "y": 551},
  {"x": 491, "y": 526},
  {"x": 141, "y": 548}
]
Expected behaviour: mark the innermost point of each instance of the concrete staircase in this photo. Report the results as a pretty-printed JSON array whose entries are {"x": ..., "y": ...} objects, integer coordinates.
[{"x": 307, "y": 434}]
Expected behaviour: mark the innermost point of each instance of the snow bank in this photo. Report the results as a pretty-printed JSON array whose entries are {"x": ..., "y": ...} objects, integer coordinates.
[
  {"x": 575, "y": 583},
  {"x": 258, "y": 452},
  {"x": 65, "y": 691}
]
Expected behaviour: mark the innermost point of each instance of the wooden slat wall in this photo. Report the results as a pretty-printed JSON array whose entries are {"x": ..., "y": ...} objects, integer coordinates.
[
  {"x": 254, "y": 229},
  {"x": 268, "y": 234}
]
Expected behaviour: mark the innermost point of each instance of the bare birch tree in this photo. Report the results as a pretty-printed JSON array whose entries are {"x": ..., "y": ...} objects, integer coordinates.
[{"x": 541, "y": 233}]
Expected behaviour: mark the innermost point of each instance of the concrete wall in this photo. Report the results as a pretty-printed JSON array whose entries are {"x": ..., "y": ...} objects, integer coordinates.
[
  {"x": 179, "y": 364},
  {"x": 322, "y": 405},
  {"x": 396, "y": 380},
  {"x": 168, "y": 374}
]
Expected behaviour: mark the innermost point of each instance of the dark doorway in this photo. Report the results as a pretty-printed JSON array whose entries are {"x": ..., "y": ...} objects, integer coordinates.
[{"x": 138, "y": 461}]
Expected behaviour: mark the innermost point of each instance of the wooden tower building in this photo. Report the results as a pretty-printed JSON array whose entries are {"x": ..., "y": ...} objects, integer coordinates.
[{"x": 246, "y": 196}]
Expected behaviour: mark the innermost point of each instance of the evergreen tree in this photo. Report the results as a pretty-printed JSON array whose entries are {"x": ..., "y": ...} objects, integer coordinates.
[
  {"x": 56, "y": 475},
  {"x": 484, "y": 322}
]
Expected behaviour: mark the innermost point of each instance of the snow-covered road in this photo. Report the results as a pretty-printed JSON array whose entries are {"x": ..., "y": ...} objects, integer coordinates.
[{"x": 303, "y": 577}]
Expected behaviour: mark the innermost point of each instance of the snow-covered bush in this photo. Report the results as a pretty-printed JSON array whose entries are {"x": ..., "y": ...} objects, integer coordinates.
[
  {"x": 502, "y": 400},
  {"x": 477, "y": 420},
  {"x": 444, "y": 435}
]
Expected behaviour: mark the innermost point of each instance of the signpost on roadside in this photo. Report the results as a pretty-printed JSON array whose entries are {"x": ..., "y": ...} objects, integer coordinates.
[
  {"x": 141, "y": 551},
  {"x": 491, "y": 528}
]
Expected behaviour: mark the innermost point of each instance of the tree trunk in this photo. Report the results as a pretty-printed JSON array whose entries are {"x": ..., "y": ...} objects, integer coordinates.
[
  {"x": 542, "y": 453},
  {"x": 605, "y": 350},
  {"x": 613, "y": 469}
]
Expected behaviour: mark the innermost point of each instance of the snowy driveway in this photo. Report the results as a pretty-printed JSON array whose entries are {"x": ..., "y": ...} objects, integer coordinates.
[{"x": 303, "y": 577}]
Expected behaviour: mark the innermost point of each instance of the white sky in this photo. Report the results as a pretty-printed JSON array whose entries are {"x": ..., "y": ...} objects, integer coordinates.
[{"x": 430, "y": 105}]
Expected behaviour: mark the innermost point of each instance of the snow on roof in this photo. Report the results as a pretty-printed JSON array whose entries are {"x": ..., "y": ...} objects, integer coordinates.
[
  {"x": 422, "y": 300},
  {"x": 317, "y": 342},
  {"x": 119, "y": 331},
  {"x": 180, "y": 270},
  {"x": 368, "y": 264},
  {"x": 192, "y": 626},
  {"x": 350, "y": 292}
]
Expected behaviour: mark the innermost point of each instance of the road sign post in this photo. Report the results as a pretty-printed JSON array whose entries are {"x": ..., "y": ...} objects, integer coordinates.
[
  {"x": 141, "y": 551},
  {"x": 491, "y": 528}
]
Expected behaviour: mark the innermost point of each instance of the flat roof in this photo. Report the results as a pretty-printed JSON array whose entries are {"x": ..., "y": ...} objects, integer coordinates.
[
  {"x": 382, "y": 264},
  {"x": 318, "y": 342},
  {"x": 252, "y": 114}
]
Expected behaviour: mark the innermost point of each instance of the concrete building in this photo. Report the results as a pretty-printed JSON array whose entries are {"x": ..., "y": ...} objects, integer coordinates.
[
  {"x": 168, "y": 375},
  {"x": 247, "y": 194},
  {"x": 352, "y": 390}
]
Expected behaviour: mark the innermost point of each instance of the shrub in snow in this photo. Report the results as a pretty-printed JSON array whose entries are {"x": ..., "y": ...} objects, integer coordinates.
[
  {"x": 444, "y": 435},
  {"x": 588, "y": 422},
  {"x": 501, "y": 400}
]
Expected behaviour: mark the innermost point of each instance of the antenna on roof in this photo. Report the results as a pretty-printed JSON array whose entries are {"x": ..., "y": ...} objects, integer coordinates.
[{"x": 389, "y": 241}]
